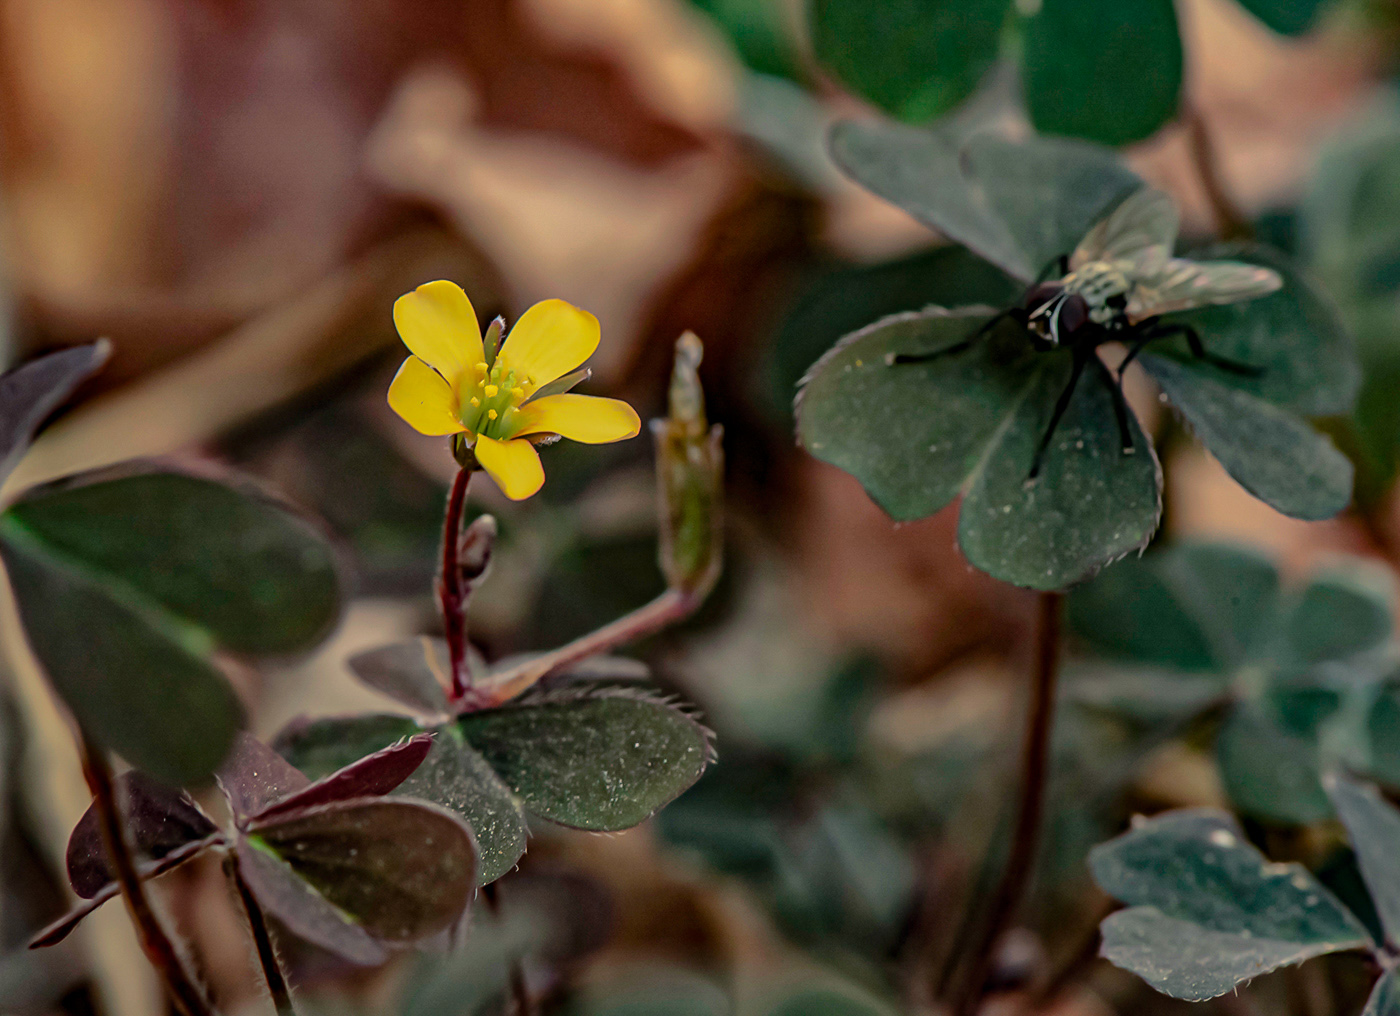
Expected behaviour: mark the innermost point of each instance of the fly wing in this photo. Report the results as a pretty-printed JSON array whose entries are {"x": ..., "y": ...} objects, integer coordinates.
[
  {"x": 1138, "y": 233},
  {"x": 1183, "y": 285}
]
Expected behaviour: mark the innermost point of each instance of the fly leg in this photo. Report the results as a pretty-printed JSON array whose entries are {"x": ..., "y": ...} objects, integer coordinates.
[
  {"x": 1198, "y": 349},
  {"x": 1081, "y": 359},
  {"x": 1120, "y": 405},
  {"x": 1137, "y": 347},
  {"x": 893, "y": 359}
]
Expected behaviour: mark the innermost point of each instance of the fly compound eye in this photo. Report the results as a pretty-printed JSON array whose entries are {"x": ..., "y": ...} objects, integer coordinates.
[{"x": 1073, "y": 313}]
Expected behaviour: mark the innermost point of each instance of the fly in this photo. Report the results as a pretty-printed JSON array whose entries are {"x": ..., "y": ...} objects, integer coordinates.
[{"x": 1115, "y": 287}]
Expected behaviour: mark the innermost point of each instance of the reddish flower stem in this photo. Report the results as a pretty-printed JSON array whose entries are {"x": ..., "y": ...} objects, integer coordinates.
[
  {"x": 451, "y": 592},
  {"x": 184, "y": 991},
  {"x": 668, "y": 608},
  {"x": 267, "y": 953},
  {"x": 1035, "y": 775}
]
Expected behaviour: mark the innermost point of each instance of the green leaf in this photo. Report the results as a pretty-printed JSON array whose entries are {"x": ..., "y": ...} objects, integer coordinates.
[
  {"x": 1373, "y": 825},
  {"x": 877, "y": 421},
  {"x": 1048, "y": 191},
  {"x": 1385, "y": 996},
  {"x": 1306, "y": 358},
  {"x": 1106, "y": 70},
  {"x": 1154, "y": 698},
  {"x": 1193, "y": 606},
  {"x": 303, "y": 910},
  {"x": 256, "y": 576},
  {"x": 916, "y": 59},
  {"x": 1207, "y": 911},
  {"x": 460, "y": 780},
  {"x": 1287, "y": 17},
  {"x": 453, "y": 776},
  {"x": 761, "y": 31},
  {"x": 403, "y": 870},
  {"x": 1091, "y": 504},
  {"x": 592, "y": 758},
  {"x": 1383, "y": 732},
  {"x": 141, "y": 683},
  {"x": 320, "y": 747},
  {"x": 827, "y": 1002},
  {"x": 1270, "y": 452},
  {"x": 128, "y": 584},
  {"x": 1019, "y": 205},
  {"x": 1269, "y": 772},
  {"x": 1341, "y": 612},
  {"x": 920, "y": 171},
  {"x": 839, "y": 300},
  {"x": 653, "y": 992}
]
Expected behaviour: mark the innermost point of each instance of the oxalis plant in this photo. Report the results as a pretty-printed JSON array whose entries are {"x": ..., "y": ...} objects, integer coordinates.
[
  {"x": 137, "y": 587},
  {"x": 1296, "y": 686},
  {"x": 1018, "y": 411}
]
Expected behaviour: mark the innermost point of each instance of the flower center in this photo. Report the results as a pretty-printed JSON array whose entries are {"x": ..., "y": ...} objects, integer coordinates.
[{"x": 490, "y": 401}]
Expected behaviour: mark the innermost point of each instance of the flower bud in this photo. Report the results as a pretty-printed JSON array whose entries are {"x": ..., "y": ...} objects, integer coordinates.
[{"x": 690, "y": 478}]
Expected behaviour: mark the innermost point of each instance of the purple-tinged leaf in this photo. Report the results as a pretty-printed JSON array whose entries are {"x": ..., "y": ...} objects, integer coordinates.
[
  {"x": 159, "y": 820},
  {"x": 28, "y": 395},
  {"x": 60, "y": 929},
  {"x": 302, "y": 909},
  {"x": 371, "y": 776},
  {"x": 413, "y": 673},
  {"x": 253, "y": 776},
  {"x": 403, "y": 870}
]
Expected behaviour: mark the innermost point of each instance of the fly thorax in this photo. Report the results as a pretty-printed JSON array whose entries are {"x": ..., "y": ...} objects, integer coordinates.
[{"x": 1099, "y": 282}]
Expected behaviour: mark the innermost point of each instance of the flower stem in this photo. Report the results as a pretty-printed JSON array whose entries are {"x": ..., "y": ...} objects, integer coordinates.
[
  {"x": 184, "y": 991},
  {"x": 668, "y": 608},
  {"x": 451, "y": 591},
  {"x": 267, "y": 954},
  {"x": 1035, "y": 775}
]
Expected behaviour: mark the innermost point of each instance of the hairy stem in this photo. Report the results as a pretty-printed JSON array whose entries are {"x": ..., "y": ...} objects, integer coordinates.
[
  {"x": 1035, "y": 775},
  {"x": 1229, "y": 220},
  {"x": 451, "y": 593},
  {"x": 184, "y": 991},
  {"x": 522, "y": 1004},
  {"x": 267, "y": 953},
  {"x": 668, "y": 608}
]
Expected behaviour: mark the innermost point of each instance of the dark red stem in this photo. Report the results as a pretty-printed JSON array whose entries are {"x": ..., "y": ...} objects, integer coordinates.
[
  {"x": 451, "y": 592},
  {"x": 1035, "y": 775},
  {"x": 155, "y": 943},
  {"x": 267, "y": 953}
]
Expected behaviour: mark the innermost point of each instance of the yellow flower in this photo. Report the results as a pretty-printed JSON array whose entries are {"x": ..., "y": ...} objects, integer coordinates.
[{"x": 448, "y": 386}]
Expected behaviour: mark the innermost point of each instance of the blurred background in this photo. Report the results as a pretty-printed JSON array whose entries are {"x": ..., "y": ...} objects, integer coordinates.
[{"x": 235, "y": 191}]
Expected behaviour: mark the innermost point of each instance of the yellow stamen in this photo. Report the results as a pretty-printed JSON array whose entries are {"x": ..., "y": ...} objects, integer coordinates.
[
  {"x": 482, "y": 367},
  {"x": 475, "y": 401},
  {"x": 491, "y": 413},
  {"x": 491, "y": 391},
  {"x": 518, "y": 392}
]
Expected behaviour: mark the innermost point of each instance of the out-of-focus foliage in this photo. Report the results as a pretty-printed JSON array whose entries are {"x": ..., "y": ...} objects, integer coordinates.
[{"x": 1292, "y": 675}]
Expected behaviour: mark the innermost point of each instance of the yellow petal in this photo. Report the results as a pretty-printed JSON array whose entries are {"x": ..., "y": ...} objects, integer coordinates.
[
  {"x": 438, "y": 325},
  {"x": 420, "y": 395},
  {"x": 514, "y": 465},
  {"x": 549, "y": 340},
  {"x": 580, "y": 418}
]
